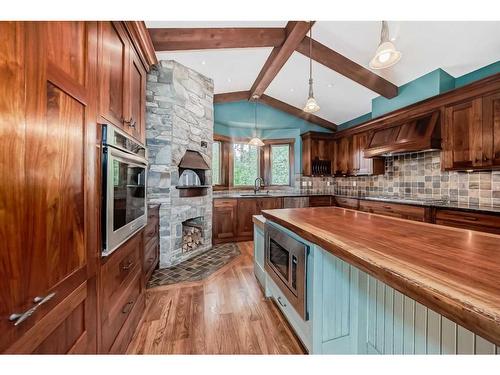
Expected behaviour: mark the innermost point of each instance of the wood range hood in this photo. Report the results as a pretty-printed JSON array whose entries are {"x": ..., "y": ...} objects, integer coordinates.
[
  {"x": 420, "y": 133},
  {"x": 193, "y": 160}
]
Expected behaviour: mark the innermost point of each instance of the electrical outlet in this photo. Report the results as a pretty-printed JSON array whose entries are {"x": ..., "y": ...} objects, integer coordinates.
[
  {"x": 354, "y": 183},
  {"x": 309, "y": 183}
]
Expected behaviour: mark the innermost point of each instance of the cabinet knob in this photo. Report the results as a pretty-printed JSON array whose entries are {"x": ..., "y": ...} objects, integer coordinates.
[
  {"x": 127, "y": 266},
  {"x": 128, "y": 306}
]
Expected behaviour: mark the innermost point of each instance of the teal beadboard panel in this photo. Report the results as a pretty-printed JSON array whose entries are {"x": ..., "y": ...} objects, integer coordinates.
[{"x": 335, "y": 302}]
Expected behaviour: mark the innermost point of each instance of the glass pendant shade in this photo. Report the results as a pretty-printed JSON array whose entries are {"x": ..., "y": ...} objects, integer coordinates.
[
  {"x": 311, "y": 105},
  {"x": 386, "y": 54},
  {"x": 256, "y": 141}
]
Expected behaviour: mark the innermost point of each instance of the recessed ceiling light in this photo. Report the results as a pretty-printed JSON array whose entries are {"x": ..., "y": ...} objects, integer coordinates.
[
  {"x": 292, "y": 90},
  {"x": 330, "y": 85},
  {"x": 229, "y": 79},
  {"x": 203, "y": 62}
]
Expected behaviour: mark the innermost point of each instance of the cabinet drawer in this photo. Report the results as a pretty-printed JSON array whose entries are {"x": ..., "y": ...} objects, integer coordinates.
[
  {"x": 320, "y": 201},
  {"x": 225, "y": 202},
  {"x": 119, "y": 269},
  {"x": 393, "y": 209},
  {"x": 347, "y": 202},
  {"x": 151, "y": 231},
  {"x": 469, "y": 220},
  {"x": 151, "y": 254},
  {"x": 116, "y": 315}
]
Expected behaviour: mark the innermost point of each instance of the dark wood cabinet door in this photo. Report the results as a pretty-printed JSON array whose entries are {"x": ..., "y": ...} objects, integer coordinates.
[
  {"x": 343, "y": 162},
  {"x": 48, "y": 227},
  {"x": 491, "y": 130},
  {"x": 136, "y": 97},
  {"x": 463, "y": 135},
  {"x": 224, "y": 220},
  {"x": 246, "y": 209},
  {"x": 113, "y": 72},
  {"x": 361, "y": 165},
  {"x": 320, "y": 201},
  {"x": 269, "y": 203}
]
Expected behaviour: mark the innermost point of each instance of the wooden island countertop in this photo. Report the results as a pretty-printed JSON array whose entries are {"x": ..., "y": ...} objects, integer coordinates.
[{"x": 455, "y": 272}]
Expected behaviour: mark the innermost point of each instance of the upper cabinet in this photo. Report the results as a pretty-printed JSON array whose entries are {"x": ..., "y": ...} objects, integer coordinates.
[
  {"x": 472, "y": 134},
  {"x": 343, "y": 158},
  {"x": 362, "y": 166},
  {"x": 317, "y": 154},
  {"x": 122, "y": 80}
]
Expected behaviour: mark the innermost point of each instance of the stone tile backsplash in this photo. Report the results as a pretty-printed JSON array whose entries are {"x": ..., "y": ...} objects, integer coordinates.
[{"x": 419, "y": 175}]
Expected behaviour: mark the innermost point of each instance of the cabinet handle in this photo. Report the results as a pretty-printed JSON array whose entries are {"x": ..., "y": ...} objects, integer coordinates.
[
  {"x": 281, "y": 302},
  {"x": 126, "y": 121},
  {"x": 128, "y": 306},
  {"x": 127, "y": 266},
  {"x": 18, "y": 318},
  {"x": 150, "y": 260},
  {"x": 132, "y": 123},
  {"x": 388, "y": 207}
]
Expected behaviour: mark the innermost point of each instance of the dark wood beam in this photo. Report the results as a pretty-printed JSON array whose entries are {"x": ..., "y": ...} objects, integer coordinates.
[
  {"x": 295, "y": 32},
  {"x": 234, "y": 96},
  {"x": 172, "y": 39},
  {"x": 282, "y": 106},
  {"x": 347, "y": 68}
]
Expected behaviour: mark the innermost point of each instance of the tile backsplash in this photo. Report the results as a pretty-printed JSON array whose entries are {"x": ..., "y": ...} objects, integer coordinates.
[{"x": 419, "y": 175}]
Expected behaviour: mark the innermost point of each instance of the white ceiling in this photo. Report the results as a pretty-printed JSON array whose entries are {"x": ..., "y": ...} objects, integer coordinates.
[{"x": 456, "y": 47}]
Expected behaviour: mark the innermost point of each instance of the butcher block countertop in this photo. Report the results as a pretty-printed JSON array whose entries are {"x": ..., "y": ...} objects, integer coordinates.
[{"x": 455, "y": 272}]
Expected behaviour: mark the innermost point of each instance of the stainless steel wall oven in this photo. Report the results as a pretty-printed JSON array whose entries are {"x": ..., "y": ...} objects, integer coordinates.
[
  {"x": 124, "y": 210},
  {"x": 286, "y": 263}
]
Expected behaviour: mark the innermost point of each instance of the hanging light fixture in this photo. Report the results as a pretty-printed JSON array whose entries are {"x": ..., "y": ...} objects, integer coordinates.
[
  {"x": 386, "y": 54},
  {"x": 255, "y": 141},
  {"x": 311, "y": 104}
]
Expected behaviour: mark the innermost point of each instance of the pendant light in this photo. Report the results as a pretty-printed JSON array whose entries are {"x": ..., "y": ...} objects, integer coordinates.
[
  {"x": 386, "y": 54},
  {"x": 255, "y": 141},
  {"x": 311, "y": 104}
]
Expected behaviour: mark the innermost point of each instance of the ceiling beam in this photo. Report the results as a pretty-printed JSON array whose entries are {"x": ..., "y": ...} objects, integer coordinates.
[
  {"x": 234, "y": 96},
  {"x": 175, "y": 39},
  {"x": 347, "y": 68},
  {"x": 295, "y": 32},
  {"x": 282, "y": 106}
]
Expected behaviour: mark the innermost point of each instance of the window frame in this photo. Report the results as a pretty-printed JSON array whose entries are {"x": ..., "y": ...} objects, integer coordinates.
[{"x": 227, "y": 162}]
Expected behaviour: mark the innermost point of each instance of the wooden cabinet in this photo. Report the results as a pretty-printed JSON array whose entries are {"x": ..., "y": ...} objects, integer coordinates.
[
  {"x": 50, "y": 269},
  {"x": 320, "y": 200},
  {"x": 362, "y": 166},
  {"x": 472, "y": 134},
  {"x": 463, "y": 135},
  {"x": 122, "y": 80},
  {"x": 269, "y": 203},
  {"x": 151, "y": 254},
  {"x": 49, "y": 204},
  {"x": 402, "y": 211},
  {"x": 344, "y": 202},
  {"x": 295, "y": 202},
  {"x": 469, "y": 220},
  {"x": 224, "y": 222},
  {"x": 491, "y": 130},
  {"x": 247, "y": 207},
  {"x": 343, "y": 159},
  {"x": 317, "y": 154}
]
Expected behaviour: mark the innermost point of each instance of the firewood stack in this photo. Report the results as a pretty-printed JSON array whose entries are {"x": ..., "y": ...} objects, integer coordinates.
[{"x": 191, "y": 238}]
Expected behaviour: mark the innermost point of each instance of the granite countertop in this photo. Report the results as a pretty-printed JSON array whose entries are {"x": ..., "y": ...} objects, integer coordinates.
[
  {"x": 401, "y": 200},
  {"x": 452, "y": 271}
]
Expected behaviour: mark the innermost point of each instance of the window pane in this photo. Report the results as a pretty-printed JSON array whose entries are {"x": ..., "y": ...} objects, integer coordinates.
[
  {"x": 216, "y": 163},
  {"x": 280, "y": 164},
  {"x": 246, "y": 164}
]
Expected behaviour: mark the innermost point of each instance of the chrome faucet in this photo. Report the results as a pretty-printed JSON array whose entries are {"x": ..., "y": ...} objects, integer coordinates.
[{"x": 256, "y": 186}]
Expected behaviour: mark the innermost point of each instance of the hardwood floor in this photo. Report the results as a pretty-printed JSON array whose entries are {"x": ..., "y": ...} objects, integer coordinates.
[{"x": 226, "y": 313}]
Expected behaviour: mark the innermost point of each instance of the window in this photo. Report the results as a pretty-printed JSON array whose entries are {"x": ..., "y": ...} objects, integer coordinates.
[
  {"x": 280, "y": 164},
  {"x": 216, "y": 163},
  {"x": 245, "y": 164}
]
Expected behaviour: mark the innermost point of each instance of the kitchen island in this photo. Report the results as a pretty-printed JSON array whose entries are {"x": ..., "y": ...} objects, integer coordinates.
[{"x": 379, "y": 284}]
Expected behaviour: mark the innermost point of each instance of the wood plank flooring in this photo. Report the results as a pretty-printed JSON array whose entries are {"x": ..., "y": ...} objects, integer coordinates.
[{"x": 226, "y": 313}]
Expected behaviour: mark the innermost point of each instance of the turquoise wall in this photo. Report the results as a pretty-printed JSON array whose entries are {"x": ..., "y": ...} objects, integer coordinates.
[
  {"x": 431, "y": 84},
  {"x": 237, "y": 119}
]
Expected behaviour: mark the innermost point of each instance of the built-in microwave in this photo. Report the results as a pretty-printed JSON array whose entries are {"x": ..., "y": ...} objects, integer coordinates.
[
  {"x": 124, "y": 209},
  {"x": 286, "y": 263}
]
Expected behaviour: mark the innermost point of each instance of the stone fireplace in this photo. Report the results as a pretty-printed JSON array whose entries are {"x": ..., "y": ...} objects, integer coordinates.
[{"x": 179, "y": 125}]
